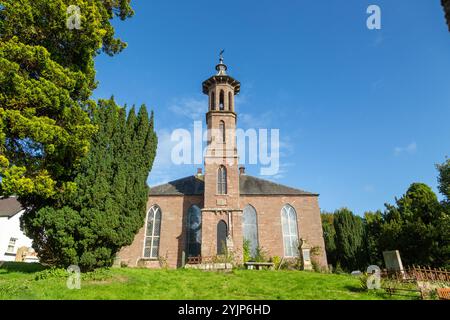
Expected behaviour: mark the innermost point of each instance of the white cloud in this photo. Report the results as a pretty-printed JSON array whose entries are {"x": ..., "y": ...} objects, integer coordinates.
[
  {"x": 164, "y": 170},
  {"x": 369, "y": 188},
  {"x": 192, "y": 108},
  {"x": 409, "y": 149}
]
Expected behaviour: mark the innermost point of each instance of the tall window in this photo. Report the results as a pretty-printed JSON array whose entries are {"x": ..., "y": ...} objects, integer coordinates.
[
  {"x": 11, "y": 245},
  {"x": 250, "y": 227},
  {"x": 222, "y": 180},
  {"x": 222, "y": 100},
  {"x": 213, "y": 101},
  {"x": 230, "y": 101},
  {"x": 222, "y": 131},
  {"x": 290, "y": 231},
  {"x": 152, "y": 233},
  {"x": 222, "y": 232},
  {"x": 194, "y": 232}
]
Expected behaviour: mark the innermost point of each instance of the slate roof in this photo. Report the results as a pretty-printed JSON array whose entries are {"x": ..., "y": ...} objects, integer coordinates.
[
  {"x": 9, "y": 207},
  {"x": 248, "y": 185}
]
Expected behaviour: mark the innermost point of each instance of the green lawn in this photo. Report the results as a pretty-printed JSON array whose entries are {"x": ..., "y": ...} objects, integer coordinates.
[{"x": 19, "y": 281}]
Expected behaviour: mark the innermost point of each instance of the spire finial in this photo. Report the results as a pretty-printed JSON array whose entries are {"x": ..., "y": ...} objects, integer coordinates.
[
  {"x": 221, "y": 67},
  {"x": 221, "y": 56}
]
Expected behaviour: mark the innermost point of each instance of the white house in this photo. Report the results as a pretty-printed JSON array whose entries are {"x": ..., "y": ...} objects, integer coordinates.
[{"x": 11, "y": 237}]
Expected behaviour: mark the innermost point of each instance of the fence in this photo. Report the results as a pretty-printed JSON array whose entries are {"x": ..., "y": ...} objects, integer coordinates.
[{"x": 416, "y": 273}]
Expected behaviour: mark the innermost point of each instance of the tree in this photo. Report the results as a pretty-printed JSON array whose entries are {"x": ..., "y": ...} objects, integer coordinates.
[
  {"x": 108, "y": 207},
  {"x": 350, "y": 240},
  {"x": 373, "y": 222},
  {"x": 444, "y": 179},
  {"x": 46, "y": 78},
  {"x": 410, "y": 226},
  {"x": 329, "y": 234}
]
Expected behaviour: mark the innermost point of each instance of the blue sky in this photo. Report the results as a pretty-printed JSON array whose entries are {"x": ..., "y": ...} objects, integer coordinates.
[{"x": 362, "y": 113}]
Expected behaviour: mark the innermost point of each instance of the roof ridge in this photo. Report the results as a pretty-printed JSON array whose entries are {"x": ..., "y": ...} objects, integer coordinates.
[{"x": 281, "y": 185}]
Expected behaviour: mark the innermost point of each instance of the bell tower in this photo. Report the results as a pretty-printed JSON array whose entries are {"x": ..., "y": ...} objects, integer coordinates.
[{"x": 221, "y": 202}]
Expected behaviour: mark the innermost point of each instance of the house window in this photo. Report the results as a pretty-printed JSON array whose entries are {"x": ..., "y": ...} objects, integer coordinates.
[
  {"x": 194, "y": 232},
  {"x": 290, "y": 231},
  {"x": 250, "y": 228},
  {"x": 222, "y": 131},
  {"x": 222, "y": 180},
  {"x": 11, "y": 245},
  {"x": 152, "y": 233}
]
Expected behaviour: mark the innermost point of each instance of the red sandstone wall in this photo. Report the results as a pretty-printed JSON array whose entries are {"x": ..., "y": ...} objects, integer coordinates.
[
  {"x": 174, "y": 210},
  {"x": 269, "y": 222}
]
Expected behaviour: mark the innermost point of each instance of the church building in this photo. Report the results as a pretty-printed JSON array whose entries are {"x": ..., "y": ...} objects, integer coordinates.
[{"x": 213, "y": 213}]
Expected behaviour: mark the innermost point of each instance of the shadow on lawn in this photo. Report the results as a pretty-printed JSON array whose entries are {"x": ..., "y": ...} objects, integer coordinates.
[{"x": 22, "y": 267}]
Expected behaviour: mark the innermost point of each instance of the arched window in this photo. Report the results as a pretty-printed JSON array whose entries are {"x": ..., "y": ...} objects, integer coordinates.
[
  {"x": 250, "y": 229},
  {"x": 290, "y": 231},
  {"x": 222, "y": 180},
  {"x": 222, "y": 131},
  {"x": 230, "y": 100},
  {"x": 152, "y": 233},
  {"x": 222, "y": 232},
  {"x": 222, "y": 100},
  {"x": 213, "y": 101},
  {"x": 194, "y": 232}
]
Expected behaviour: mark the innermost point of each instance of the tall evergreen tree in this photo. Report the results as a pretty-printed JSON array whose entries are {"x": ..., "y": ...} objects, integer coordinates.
[
  {"x": 410, "y": 226},
  {"x": 350, "y": 240},
  {"x": 329, "y": 235},
  {"x": 108, "y": 207},
  {"x": 46, "y": 78},
  {"x": 373, "y": 222}
]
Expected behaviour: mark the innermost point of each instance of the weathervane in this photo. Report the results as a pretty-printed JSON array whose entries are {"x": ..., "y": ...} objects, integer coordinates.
[{"x": 221, "y": 55}]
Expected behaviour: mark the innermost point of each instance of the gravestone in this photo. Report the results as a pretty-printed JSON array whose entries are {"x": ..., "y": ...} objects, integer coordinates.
[{"x": 393, "y": 262}]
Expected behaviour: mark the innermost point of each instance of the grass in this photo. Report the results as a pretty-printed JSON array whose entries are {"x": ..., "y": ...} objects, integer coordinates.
[{"x": 28, "y": 281}]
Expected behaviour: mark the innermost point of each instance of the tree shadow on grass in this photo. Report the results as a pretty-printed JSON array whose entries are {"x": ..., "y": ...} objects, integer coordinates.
[
  {"x": 355, "y": 289},
  {"x": 22, "y": 267}
]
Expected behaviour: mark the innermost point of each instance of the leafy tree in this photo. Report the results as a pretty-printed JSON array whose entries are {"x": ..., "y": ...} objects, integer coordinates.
[
  {"x": 108, "y": 207},
  {"x": 410, "y": 226},
  {"x": 373, "y": 223},
  {"x": 350, "y": 240},
  {"x": 329, "y": 234},
  {"x": 444, "y": 179},
  {"x": 46, "y": 78}
]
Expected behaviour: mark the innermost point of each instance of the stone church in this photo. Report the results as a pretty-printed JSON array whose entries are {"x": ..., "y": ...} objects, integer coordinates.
[{"x": 193, "y": 219}]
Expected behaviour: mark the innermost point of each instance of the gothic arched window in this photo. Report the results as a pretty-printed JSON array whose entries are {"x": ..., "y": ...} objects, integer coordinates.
[
  {"x": 222, "y": 180},
  {"x": 230, "y": 101},
  {"x": 222, "y": 100},
  {"x": 152, "y": 233},
  {"x": 290, "y": 231},
  {"x": 194, "y": 232},
  {"x": 250, "y": 229},
  {"x": 213, "y": 101},
  {"x": 222, "y": 232},
  {"x": 222, "y": 131}
]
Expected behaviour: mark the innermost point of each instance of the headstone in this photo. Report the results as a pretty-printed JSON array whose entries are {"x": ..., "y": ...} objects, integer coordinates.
[
  {"x": 392, "y": 260},
  {"x": 356, "y": 273}
]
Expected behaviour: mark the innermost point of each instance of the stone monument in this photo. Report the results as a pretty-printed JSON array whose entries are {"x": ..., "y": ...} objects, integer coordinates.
[{"x": 306, "y": 255}]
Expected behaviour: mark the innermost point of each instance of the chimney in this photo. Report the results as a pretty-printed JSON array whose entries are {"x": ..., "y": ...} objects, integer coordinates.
[
  {"x": 241, "y": 170},
  {"x": 199, "y": 171}
]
